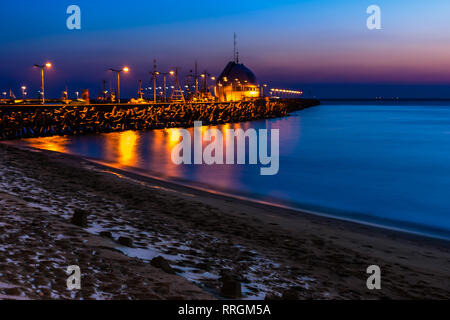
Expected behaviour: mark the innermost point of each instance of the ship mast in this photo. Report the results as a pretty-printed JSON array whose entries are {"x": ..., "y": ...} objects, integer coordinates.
[{"x": 236, "y": 51}]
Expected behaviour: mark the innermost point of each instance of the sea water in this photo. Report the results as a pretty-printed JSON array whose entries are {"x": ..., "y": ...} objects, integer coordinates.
[{"x": 384, "y": 164}]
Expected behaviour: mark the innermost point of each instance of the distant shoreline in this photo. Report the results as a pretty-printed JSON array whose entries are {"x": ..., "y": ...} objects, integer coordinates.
[{"x": 385, "y": 99}]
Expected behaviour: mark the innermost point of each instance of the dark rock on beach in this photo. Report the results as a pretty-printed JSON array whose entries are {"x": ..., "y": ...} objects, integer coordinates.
[
  {"x": 231, "y": 288},
  {"x": 80, "y": 218},
  {"x": 125, "y": 241},
  {"x": 106, "y": 234},
  {"x": 161, "y": 263}
]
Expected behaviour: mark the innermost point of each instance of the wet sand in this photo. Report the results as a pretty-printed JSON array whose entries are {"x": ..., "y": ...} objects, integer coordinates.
[{"x": 271, "y": 251}]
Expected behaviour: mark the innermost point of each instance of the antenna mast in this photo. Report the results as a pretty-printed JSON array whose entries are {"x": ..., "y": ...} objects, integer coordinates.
[
  {"x": 140, "y": 92},
  {"x": 177, "y": 93},
  {"x": 196, "y": 78},
  {"x": 235, "y": 45},
  {"x": 236, "y": 51}
]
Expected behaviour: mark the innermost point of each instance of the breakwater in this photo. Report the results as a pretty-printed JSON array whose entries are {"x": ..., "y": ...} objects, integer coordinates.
[{"x": 18, "y": 122}]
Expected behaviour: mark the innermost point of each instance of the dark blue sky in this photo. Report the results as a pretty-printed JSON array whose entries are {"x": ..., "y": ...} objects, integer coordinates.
[{"x": 318, "y": 46}]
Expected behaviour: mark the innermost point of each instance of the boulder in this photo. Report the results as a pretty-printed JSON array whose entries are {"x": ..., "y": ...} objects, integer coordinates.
[
  {"x": 125, "y": 241},
  {"x": 12, "y": 292},
  {"x": 231, "y": 288},
  {"x": 106, "y": 234},
  {"x": 161, "y": 263},
  {"x": 80, "y": 218}
]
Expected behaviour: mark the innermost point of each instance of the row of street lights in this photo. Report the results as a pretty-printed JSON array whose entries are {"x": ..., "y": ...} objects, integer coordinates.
[
  {"x": 48, "y": 65},
  {"x": 24, "y": 93},
  {"x": 155, "y": 73}
]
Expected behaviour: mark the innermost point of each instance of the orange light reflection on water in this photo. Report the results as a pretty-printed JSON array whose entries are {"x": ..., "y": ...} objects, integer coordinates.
[
  {"x": 56, "y": 144},
  {"x": 126, "y": 146},
  {"x": 149, "y": 151},
  {"x": 163, "y": 143}
]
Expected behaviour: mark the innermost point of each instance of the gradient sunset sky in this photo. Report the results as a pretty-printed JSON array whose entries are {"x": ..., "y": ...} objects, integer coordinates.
[{"x": 322, "y": 47}]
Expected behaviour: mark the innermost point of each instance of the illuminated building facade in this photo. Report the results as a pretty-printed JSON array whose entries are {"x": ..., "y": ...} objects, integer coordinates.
[{"x": 236, "y": 83}]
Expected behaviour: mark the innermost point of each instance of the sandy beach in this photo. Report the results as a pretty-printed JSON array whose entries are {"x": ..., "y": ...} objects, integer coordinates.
[{"x": 209, "y": 240}]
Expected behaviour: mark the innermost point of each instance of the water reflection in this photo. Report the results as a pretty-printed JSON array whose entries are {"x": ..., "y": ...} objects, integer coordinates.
[
  {"x": 57, "y": 144},
  {"x": 152, "y": 152},
  {"x": 127, "y": 151},
  {"x": 160, "y": 144}
]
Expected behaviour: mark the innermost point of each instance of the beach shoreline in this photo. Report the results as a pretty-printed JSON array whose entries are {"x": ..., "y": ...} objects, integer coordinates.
[
  {"x": 270, "y": 251},
  {"x": 391, "y": 226}
]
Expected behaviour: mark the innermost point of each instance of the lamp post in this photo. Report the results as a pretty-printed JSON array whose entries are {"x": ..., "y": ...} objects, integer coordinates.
[
  {"x": 48, "y": 65},
  {"x": 262, "y": 89},
  {"x": 203, "y": 75},
  {"x": 125, "y": 69},
  {"x": 165, "y": 82},
  {"x": 206, "y": 88},
  {"x": 172, "y": 73},
  {"x": 155, "y": 74},
  {"x": 23, "y": 92}
]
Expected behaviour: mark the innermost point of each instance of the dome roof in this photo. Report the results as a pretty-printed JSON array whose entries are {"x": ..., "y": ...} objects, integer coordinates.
[{"x": 238, "y": 71}]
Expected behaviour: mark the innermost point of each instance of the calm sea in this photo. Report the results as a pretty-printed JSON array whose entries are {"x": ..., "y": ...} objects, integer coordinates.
[{"x": 381, "y": 164}]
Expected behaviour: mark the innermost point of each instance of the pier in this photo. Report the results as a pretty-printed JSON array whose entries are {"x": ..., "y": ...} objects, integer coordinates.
[{"x": 31, "y": 121}]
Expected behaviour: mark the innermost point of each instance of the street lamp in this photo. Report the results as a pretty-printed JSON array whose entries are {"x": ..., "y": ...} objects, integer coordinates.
[
  {"x": 155, "y": 74},
  {"x": 205, "y": 76},
  {"x": 23, "y": 92},
  {"x": 165, "y": 82},
  {"x": 126, "y": 69},
  {"x": 48, "y": 65},
  {"x": 262, "y": 89}
]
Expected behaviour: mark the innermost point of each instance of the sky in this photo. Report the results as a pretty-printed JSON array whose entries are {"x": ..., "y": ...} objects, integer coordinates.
[{"x": 322, "y": 47}]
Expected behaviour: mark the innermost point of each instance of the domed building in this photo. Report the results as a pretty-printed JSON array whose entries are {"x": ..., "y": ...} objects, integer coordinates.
[{"x": 236, "y": 83}]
